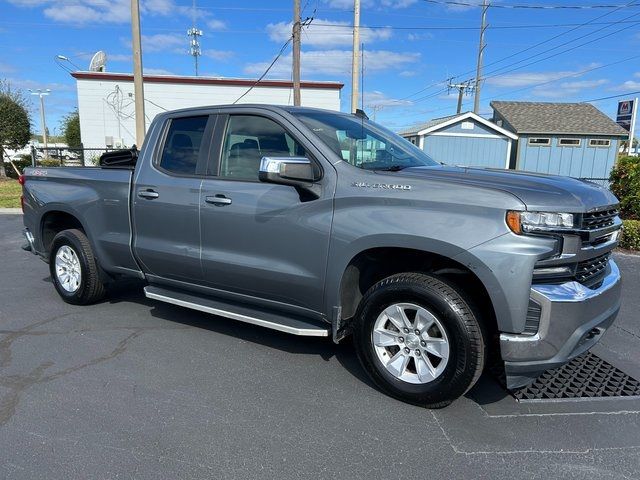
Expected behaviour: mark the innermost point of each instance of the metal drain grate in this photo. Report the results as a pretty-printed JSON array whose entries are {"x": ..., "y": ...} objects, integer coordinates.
[{"x": 586, "y": 376}]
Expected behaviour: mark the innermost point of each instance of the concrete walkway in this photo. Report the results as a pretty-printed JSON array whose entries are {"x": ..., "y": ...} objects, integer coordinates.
[{"x": 10, "y": 211}]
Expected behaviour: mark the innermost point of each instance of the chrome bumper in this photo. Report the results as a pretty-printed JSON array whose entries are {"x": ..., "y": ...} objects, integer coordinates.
[{"x": 573, "y": 318}]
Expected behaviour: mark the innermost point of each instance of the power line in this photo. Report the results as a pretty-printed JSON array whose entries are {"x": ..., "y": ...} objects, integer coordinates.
[
  {"x": 528, "y": 6},
  {"x": 578, "y": 26},
  {"x": 611, "y": 96},
  {"x": 590, "y": 22},
  {"x": 498, "y": 72},
  {"x": 491, "y": 27}
]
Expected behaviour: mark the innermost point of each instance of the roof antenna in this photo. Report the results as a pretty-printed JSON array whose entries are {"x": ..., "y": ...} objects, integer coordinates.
[{"x": 360, "y": 111}]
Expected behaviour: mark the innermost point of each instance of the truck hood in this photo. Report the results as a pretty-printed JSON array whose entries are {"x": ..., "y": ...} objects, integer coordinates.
[{"x": 537, "y": 191}]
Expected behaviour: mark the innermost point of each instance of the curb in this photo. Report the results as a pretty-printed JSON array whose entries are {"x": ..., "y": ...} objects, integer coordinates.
[{"x": 10, "y": 211}]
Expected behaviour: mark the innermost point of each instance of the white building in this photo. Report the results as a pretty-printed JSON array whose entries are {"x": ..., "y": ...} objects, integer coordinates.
[{"x": 106, "y": 107}]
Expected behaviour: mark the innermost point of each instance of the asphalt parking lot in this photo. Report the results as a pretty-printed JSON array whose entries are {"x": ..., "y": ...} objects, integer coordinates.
[{"x": 131, "y": 388}]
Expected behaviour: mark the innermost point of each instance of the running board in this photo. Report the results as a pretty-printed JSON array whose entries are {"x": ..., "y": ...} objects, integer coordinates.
[{"x": 274, "y": 321}]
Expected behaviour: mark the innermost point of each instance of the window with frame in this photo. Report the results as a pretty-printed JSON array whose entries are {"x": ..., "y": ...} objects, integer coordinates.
[
  {"x": 248, "y": 138},
  {"x": 182, "y": 145},
  {"x": 539, "y": 141},
  {"x": 599, "y": 142},
  {"x": 569, "y": 142}
]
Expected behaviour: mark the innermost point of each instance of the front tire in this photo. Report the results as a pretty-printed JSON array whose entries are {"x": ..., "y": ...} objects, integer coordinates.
[
  {"x": 419, "y": 339},
  {"x": 73, "y": 268}
]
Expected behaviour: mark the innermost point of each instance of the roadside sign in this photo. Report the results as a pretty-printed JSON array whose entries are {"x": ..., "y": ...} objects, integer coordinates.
[
  {"x": 625, "y": 114},
  {"x": 626, "y": 118}
]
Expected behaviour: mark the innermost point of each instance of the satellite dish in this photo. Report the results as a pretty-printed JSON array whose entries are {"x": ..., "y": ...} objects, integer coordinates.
[{"x": 98, "y": 62}]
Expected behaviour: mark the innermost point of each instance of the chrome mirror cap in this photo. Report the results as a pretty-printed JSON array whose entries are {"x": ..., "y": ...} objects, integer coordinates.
[{"x": 277, "y": 165}]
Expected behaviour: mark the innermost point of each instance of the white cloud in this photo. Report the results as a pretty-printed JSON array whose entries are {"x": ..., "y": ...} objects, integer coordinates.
[
  {"x": 628, "y": 85},
  {"x": 216, "y": 25},
  {"x": 419, "y": 36},
  {"x": 334, "y": 63},
  {"x": 157, "y": 71},
  {"x": 320, "y": 34},
  {"x": 348, "y": 4},
  {"x": 567, "y": 89},
  {"x": 118, "y": 57},
  {"x": 376, "y": 98},
  {"x": 526, "y": 79},
  {"x": 217, "y": 54},
  {"x": 163, "y": 42},
  {"x": 6, "y": 68},
  {"x": 87, "y": 12},
  {"x": 408, "y": 73},
  {"x": 26, "y": 84}
]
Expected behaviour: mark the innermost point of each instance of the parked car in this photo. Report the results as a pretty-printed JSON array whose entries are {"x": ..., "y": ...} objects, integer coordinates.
[
  {"x": 261, "y": 214},
  {"x": 70, "y": 154}
]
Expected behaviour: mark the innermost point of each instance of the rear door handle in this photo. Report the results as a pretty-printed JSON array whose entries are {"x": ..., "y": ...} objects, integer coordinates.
[
  {"x": 149, "y": 194},
  {"x": 219, "y": 200}
]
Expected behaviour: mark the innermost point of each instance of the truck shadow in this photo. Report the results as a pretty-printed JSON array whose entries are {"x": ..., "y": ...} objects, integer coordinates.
[
  {"x": 486, "y": 391},
  {"x": 293, "y": 344}
]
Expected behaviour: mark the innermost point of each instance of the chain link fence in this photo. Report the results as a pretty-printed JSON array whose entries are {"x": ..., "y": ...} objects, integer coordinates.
[{"x": 67, "y": 156}]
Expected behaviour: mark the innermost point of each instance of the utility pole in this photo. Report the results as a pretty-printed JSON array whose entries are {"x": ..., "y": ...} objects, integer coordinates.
[
  {"x": 481, "y": 46},
  {"x": 356, "y": 56},
  {"x": 462, "y": 88},
  {"x": 43, "y": 121},
  {"x": 138, "y": 83},
  {"x": 296, "y": 52}
]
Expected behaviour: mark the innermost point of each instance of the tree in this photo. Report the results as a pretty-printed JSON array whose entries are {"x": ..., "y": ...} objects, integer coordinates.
[
  {"x": 15, "y": 125},
  {"x": 70, "y": 127}
]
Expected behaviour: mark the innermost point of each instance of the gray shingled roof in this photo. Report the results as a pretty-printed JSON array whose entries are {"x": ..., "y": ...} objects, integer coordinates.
[
  {"x": 551, "y": 118},
  {"x": 421, "y": 126}
]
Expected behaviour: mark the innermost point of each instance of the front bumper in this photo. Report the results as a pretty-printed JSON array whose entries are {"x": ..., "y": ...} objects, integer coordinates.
[{"x": 573, "y": 318}]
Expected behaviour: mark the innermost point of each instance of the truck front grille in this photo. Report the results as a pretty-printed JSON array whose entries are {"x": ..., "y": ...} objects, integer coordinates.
[
  {"x": 591, "y": 272},
  {"x": 601, "y": 219}
]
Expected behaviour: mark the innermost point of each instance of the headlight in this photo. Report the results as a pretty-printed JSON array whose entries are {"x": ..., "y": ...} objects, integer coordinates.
[{"x": 523, "y": 222}]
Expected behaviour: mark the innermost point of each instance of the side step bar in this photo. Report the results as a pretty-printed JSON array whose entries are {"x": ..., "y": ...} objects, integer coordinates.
[{"x": 274, "y": 321}]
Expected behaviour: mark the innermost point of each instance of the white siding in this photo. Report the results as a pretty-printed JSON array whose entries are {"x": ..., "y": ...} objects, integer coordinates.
[{"x": 102, "y": 115}]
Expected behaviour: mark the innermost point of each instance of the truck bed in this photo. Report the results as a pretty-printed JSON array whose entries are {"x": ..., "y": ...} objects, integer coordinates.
[{"x": 98, "y": 196}]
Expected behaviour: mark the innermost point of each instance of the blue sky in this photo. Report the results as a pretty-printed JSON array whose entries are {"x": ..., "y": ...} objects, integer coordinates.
[{"x": 410, "y": 49}]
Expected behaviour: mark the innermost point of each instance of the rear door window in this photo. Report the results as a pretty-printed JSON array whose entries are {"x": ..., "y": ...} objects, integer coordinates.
[{"x": 182, "y": 145}]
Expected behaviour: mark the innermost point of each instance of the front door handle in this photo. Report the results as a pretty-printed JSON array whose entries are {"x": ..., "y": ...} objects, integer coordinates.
[
  {"x": 149, "y": 194},
  {"x": 219, "y": 200}
]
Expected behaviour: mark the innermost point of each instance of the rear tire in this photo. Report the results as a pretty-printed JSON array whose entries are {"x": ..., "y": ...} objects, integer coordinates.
[
  {"x": 73, "y": 267},
  {"x": 419, "y": 339}
]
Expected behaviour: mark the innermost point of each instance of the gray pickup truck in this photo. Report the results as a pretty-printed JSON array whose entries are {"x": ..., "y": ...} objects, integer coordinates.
[{"x": 325, "y": 224}]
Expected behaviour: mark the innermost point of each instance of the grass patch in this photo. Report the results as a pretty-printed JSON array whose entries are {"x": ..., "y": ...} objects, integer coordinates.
[{"x": 10, "y": 191}]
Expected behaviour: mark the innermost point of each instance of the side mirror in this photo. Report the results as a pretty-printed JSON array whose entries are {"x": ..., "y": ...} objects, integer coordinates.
[{"x": 294, "y": 171}]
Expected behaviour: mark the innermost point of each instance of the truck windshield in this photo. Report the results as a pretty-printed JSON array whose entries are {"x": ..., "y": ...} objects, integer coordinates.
[{"x": 364, "y": 144}]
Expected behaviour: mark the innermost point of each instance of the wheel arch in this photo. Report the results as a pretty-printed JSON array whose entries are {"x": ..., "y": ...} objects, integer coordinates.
[
  {"x": 368, "y": 265},
  {"x": 56, "y": 219}
]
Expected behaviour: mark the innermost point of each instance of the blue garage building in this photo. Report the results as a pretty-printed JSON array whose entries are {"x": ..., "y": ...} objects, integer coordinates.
[
  {"x": 573, "y": 139},
  {"x": 465, "y": 139}
]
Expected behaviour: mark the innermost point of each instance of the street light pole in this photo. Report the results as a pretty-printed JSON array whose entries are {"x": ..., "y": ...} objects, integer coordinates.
[{"x": 43, "y": 121}]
